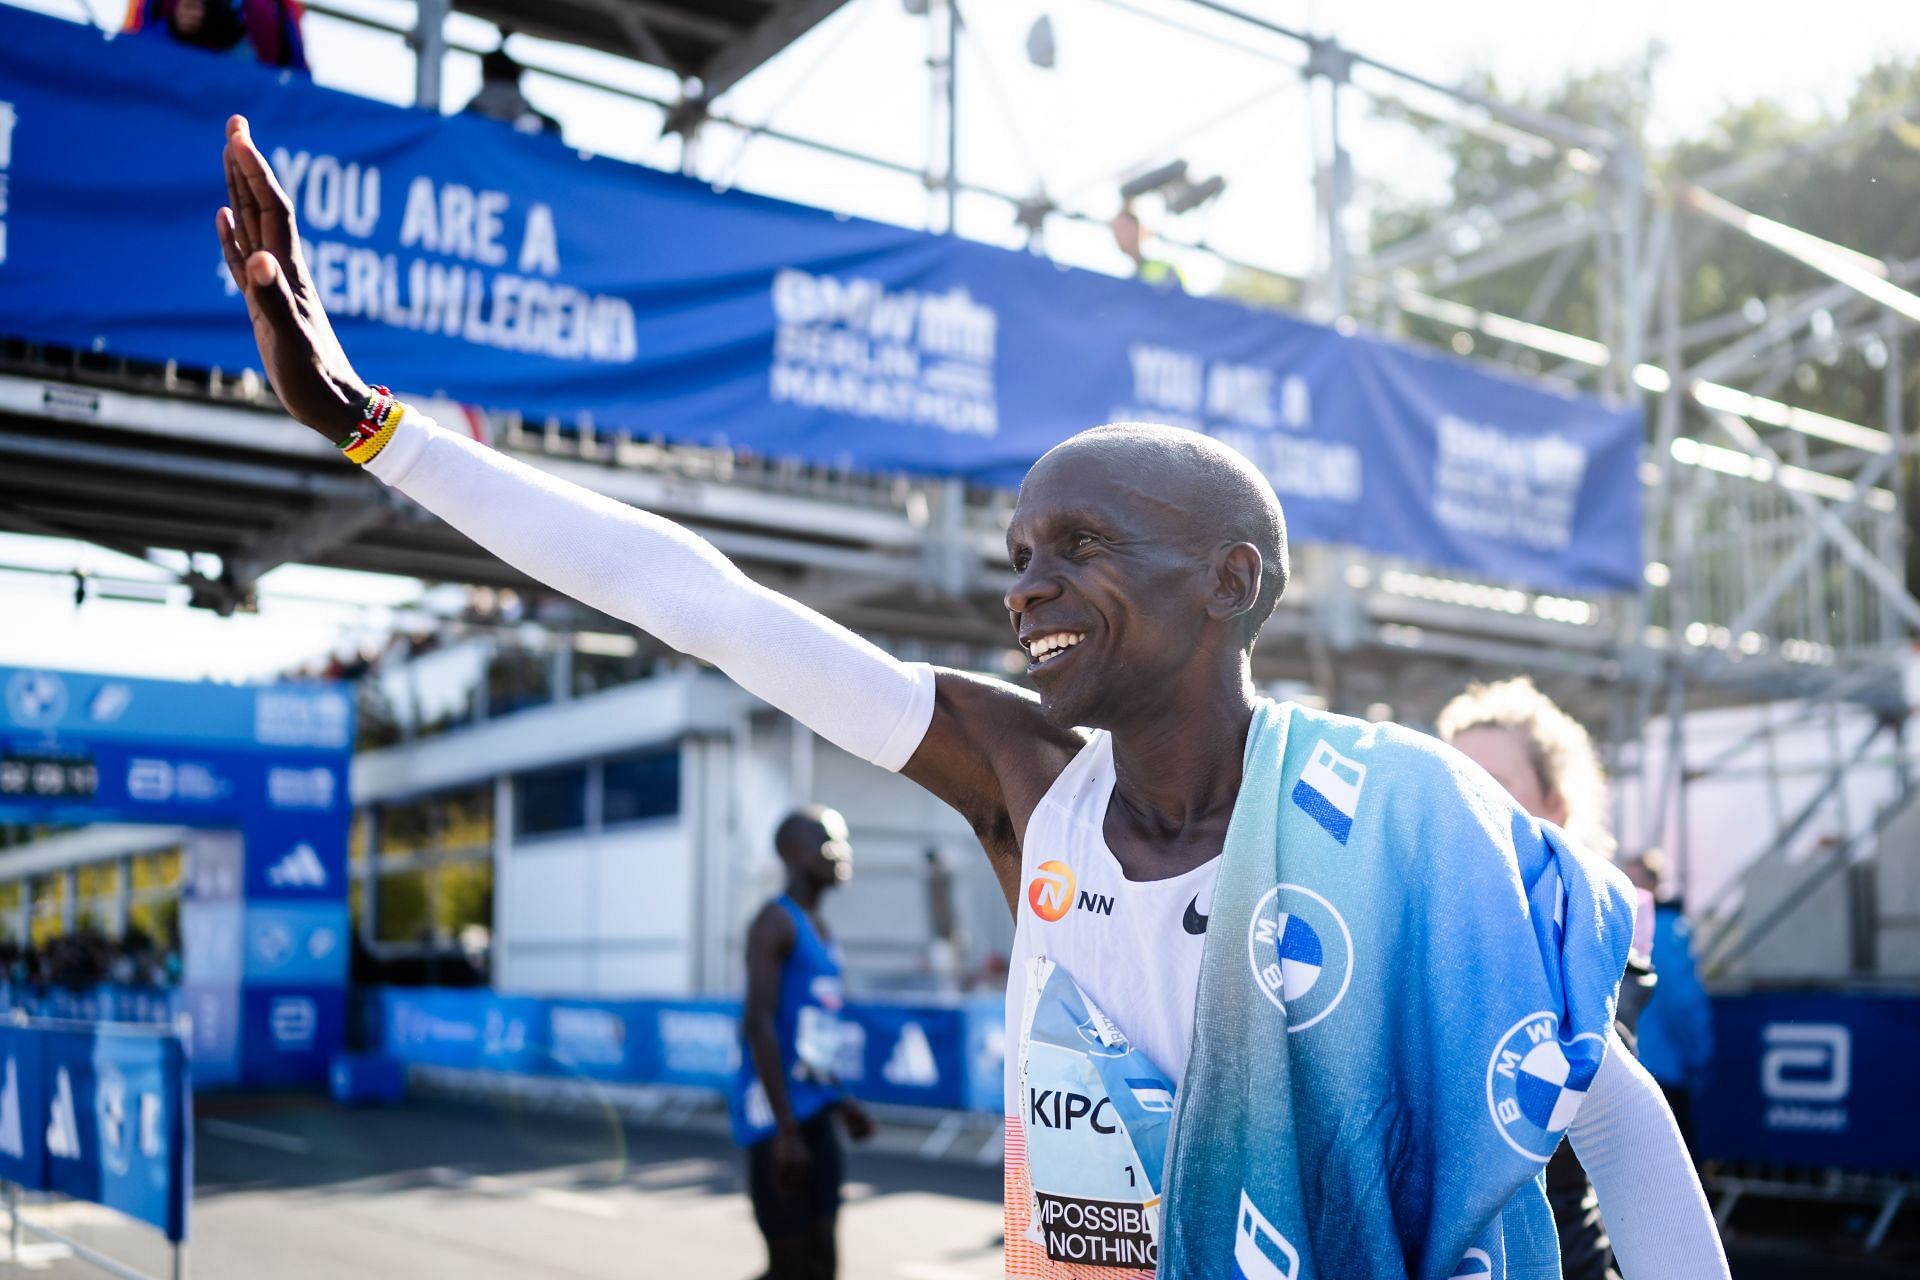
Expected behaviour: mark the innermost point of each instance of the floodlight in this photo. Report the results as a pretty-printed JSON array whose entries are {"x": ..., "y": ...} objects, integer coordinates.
[
  {"x": 1191, "y": 195},
  {"x": 1154, "y": 179}
]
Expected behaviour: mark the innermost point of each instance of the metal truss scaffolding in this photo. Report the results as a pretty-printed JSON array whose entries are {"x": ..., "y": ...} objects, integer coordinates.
[{"x": 1775, "y": 534}]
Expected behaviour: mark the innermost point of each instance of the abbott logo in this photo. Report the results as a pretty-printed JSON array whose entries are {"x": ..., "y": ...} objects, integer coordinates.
[
  {"x": 1806, "y": 1061},
  {"x": 1806, "y": 1070}
]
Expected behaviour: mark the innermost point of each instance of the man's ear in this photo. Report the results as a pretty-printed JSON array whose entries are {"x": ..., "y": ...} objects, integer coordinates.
[{"x": 1236, "y": 581}]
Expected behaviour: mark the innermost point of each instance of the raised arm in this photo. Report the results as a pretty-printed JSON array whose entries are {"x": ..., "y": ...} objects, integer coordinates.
[
  {"x": 963, "y": 735},
  {"x": 1656, "y": 1213}
]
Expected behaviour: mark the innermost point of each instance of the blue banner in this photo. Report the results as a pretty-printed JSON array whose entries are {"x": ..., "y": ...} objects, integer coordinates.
[
  {"x": 259, "y": 776},
  {"x": 99, "y": 1114},
  {"x": 914, "y": 1054},
  {"x": 107, "y": 1002},
  {"x": 507, "y": 270},
  {"x": 1817, "y": 1080}
]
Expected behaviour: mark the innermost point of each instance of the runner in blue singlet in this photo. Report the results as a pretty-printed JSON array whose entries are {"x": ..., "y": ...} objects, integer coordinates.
[{"x": 788, "y": 1090}]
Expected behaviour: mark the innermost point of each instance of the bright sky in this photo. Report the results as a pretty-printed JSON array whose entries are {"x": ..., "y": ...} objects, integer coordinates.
[{"x": 1127, "y": 92}]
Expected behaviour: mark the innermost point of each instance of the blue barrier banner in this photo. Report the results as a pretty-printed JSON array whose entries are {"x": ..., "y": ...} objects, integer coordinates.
[
  {"x": 457, "y": 254},
  {"x": 698, "y": 1043},
  {"x": 912, "y": 1055},
  {"x": 599, "y": 1039},
  {"x": 258, "y": 774},
  {"x": 23, "y": 1136},
  {"x": 108, "y": 1002},
  {"x": 289, "y": 1034},
  {"x": 1821, "y": 1080},
  {"x": 99, "y": 1114},
  {"x": 926, "y": 1055},
  {"x": 986, "y": 1053}
]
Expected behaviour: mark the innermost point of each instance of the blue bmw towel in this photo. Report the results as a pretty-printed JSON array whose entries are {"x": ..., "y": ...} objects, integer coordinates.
[{"x": 1406, "y": 991}]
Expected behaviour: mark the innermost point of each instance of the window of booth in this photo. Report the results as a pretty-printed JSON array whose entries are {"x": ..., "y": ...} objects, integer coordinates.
[
  {"x": 550, "y": 801},
  {"x": 640, "y": 786}
]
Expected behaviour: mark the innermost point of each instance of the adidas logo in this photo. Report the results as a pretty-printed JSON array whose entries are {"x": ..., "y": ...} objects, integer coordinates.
[
  {"x": 63, "y": 1130},
  {"x": 300, "y": 869},
  {"x": 12, "y": 1137},
  {"x": 911, "y": 1062}
]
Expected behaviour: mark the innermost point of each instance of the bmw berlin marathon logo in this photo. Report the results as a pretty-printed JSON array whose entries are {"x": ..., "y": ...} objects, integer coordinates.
[
  {"x": 36, "y": 699},
  {"x": 1536, "y": 1082},
  {"x": 1300, "y": 952}
]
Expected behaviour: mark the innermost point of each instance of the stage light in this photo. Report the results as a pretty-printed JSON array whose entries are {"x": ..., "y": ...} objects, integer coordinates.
[
  {"x": 1154, "y": 179},
  {"x": 1185, "y": 196}
]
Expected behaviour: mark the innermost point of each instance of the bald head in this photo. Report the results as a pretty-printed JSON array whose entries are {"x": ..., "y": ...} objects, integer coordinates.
[
  {"x": 812, "y": 841},
  {"x": 1218, "y": 494}
]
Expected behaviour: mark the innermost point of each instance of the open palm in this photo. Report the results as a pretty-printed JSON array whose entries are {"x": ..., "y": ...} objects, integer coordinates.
[{"x": 303, "y": 359}]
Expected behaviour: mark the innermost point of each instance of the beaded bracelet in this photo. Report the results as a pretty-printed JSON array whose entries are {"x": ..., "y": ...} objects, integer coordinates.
[
  {"x": 379, "y": 415},
  {"x": 365, "y": 450}
]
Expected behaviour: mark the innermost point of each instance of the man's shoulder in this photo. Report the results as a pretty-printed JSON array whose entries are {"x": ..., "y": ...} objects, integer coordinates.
[
  {"x": 773, "y": 921},
  {"x": 1377, "y": 741},
  {"x": 1007, "y": 721},
  {"x": 1409, "y": 774}
]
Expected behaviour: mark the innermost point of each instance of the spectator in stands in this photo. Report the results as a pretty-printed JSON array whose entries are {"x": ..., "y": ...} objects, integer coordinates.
[
  {"x": 1676, "y": 1031},
  {"x": 788, "y": 1091},
  {"x": 501, "y": 98},
  {"x": 1546, "y": 761},
  {"x": 1158, "y": 272},
  {"x": 270, "y": 28}
]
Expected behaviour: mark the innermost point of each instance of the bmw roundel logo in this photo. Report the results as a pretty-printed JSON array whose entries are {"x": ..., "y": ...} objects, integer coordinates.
[
  {"x": 36, "y": 698},
  {"x": 1301, "y": 954},
  {"x": 1536, "y": 1082}
]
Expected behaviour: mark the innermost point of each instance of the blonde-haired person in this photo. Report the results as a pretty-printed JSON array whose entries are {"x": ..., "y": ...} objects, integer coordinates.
[
  {"x": 1539, "y": 753},
  {"x": 1546, "y": 761}
]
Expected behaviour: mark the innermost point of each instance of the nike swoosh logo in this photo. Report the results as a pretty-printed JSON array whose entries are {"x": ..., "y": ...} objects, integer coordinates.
[{"x": 1193, "y": 922}]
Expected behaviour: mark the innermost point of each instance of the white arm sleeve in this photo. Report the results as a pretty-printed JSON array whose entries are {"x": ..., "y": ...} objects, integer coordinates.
[
  {"x": 1650, "y": 1197},
  {"x": 669, "y": 582}
]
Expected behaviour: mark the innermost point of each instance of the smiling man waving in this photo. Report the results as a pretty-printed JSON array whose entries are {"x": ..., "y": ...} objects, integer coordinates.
[{"x": 1293, "y": 996}]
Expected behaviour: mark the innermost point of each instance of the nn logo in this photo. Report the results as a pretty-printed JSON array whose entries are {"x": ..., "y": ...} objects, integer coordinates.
[{"x": 1051, "y": 894}]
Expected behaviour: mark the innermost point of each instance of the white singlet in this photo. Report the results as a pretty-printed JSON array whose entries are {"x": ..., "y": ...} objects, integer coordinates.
[{"x": 1133, "y": 946}]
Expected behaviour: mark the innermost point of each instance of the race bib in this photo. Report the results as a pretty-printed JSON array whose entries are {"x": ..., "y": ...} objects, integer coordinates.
[
  {"x": 1096, "y": 1114},
  {"x": 817, "y": 1040}
]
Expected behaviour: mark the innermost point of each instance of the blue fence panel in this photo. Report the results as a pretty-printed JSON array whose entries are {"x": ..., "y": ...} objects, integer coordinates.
[
  {"x": 108, "y": 1002},
  {"x": 260, "y": 772},
  {"x": 100, "y": 1114},
  {"x": 1814, "y": 1080},
  {"x": 456, "y": 253},
  {"x": 945, "y": 1055},
  {"x": 698, "y": 1042},
  {"x": 914, "y": 1055},
  {"x": 23, "y": 1133},
  {"x": 600, "y": 1039}
]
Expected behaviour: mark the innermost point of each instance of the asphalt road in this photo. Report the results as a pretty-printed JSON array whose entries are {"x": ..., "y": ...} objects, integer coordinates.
[{"x": 295, "y": 1189}]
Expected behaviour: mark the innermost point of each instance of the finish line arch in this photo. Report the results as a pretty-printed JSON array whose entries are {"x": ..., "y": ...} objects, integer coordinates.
[{"x": 260, "y": 773}]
